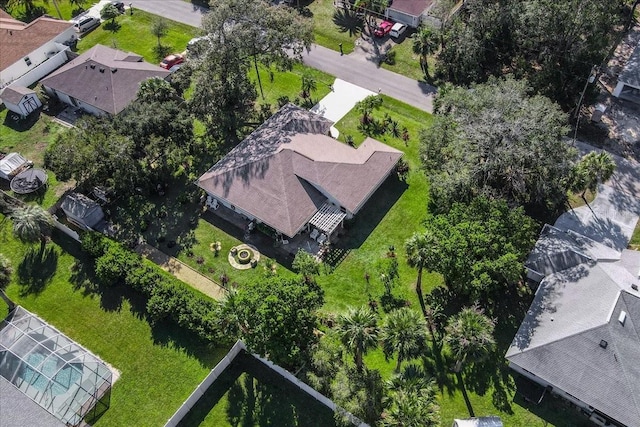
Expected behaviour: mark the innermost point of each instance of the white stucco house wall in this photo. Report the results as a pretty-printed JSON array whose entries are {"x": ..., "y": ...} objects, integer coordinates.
[{"x": 31, "y": 51}]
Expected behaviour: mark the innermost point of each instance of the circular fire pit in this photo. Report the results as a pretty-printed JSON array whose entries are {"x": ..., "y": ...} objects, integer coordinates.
[{"x": 243, "y": 257}]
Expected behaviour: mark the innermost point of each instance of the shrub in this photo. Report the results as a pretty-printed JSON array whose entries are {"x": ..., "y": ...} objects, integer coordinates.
[
  {"x": 113, "y": 266},
  {"x": 95, "y": 244},
  {"x": 144, "y": 279}
]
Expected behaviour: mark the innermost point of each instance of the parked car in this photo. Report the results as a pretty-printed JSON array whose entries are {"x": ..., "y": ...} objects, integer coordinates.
[
  {"x": 397, "y": 30},
  {"x": 86, "y": 24},
  {"x": 119, "y": 5},
  {"x": 171, "y": 60},
  {"x": 383, "y": 29}
]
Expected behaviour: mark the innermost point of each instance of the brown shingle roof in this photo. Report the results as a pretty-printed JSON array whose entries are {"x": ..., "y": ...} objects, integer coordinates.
[
  {"x": 284, "y": 171},
  {"x": 103, "y": 77},
  {"x": 411, "y": 7},
  {"x": 18, "y": 39}
]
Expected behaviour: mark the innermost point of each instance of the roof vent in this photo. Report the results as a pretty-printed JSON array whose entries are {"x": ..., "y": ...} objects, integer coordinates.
[
  {"x": 603, "y": 344},
  {"x": 101, "y": 70},
  {"x": 113, "y": 70},
  {"x": 622, "y": 318},
  {"x": 92, "y": 66},
  {"x": 634, "y": 287}
]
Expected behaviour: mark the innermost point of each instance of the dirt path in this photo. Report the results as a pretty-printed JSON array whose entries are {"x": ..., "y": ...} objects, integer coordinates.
[{"x": 182, "y": 271}]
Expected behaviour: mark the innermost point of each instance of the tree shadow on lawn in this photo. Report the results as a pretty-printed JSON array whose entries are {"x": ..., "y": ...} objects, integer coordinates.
[
  {"x": 12, "y": 121},
  {"x": 348, "y": 21},
  {"x": 361, "y": 227},
  {"x": 37, "y": 269},
  {"x": 258, "y": 396}
]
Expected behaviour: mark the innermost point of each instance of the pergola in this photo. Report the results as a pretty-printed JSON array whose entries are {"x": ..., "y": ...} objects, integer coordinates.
[{"x": 328, "y": 218}]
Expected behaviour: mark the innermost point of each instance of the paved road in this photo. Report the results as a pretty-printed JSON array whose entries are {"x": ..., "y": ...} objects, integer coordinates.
[{"x": 351, "y": 68}]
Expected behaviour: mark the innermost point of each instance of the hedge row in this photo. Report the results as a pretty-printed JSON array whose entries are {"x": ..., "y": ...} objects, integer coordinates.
[{"x": 168, "y": 298}]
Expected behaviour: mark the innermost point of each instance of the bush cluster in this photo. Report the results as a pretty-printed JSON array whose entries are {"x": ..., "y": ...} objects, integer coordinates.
[{"x": 168, "y": 298}]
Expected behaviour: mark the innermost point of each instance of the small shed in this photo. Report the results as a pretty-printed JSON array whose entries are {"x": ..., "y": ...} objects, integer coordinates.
[
  {"x": 11, "y": 165},
  {"x": 82, "y": 211},
  {"x": 21, "y": 100},
  {"x": 491, "y": 421}
]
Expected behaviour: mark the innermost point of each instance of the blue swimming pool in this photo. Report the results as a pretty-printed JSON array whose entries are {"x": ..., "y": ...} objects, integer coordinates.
[{"x": 66, "y": 377}]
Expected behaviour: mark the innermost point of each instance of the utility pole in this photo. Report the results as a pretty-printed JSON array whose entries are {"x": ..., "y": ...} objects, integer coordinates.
[{"x": 590, "y": 79}]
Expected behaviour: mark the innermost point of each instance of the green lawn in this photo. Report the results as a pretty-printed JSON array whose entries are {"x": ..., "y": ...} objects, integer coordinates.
[
  {"x": 67, "y": 10},
  {"x": 134, "y": 35},
  {"x": 249, "y": 394},
  {"x": 31, "y": 138},
  {"x": 407, "y": 63},
  {"x": 159, "y": 366},
  {"x": 394, "y": 212},
  {"x": 326, "y": 31},
  {"x": 635, "y": 239}
]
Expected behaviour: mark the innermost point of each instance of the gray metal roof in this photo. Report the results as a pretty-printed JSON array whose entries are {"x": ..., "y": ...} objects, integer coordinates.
[
  {"x": 631, "y": 73},
  {"x": 82, "y": 208},
  {"x": 18, "y": 410}
]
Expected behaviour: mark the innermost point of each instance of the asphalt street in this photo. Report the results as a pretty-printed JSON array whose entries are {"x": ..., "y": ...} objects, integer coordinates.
[{"x": 351, "y": 68}]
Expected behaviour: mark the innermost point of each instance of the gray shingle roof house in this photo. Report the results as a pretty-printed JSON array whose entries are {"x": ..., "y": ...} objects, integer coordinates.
[
  {"x": 102, "y": 80},
  {"x": 287, "y": 169},
  {"x": 581, "y": 336},
  {"x": 82, "y": 211},
  {"x": 628, "y": 86},
  {"x": 18, "y": 410},
  {"x": 408, "y": 12}
]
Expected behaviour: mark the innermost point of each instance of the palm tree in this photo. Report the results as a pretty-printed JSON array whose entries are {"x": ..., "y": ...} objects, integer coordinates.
[
  {"x": 31, "y": 223},
  {"x": 308, "y": 85},
  {"x": 470, "y": 336},
  {"x": 425, "y": 43},
  {"x": 419, "y": 256},
  {"x": 358, "y": 331},
  {"x": 470, "y": 339},
  {"x": 411, "y": 399},
  {"x": 5, "y": 278},
  {"x": 593, "y": 169},
  {"x": 404, "y": 333}
]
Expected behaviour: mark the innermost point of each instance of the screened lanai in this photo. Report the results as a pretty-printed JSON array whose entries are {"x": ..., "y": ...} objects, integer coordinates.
[{"x": 54, "y": 371}]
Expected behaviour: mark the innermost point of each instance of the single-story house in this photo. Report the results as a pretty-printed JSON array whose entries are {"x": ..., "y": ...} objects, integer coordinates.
[
  {"x": 289, "y": 174},
  {"x": 11, "y": 165},
  {"x": 409, "y": 12},
  {"x": 628, "y": 86},
  {"x": 31, "y": 51},
  {"x": 21, "y": 100},
  {"x": 580, "y": 338},
  {"x": 82, "y": 211},
  {"x": 101, "y": 81}
]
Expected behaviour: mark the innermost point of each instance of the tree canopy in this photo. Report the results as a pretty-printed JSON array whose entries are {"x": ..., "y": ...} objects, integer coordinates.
[
  {"x": 479, "y": 248},
  {"x": 496, "y": 140},
  {"x": 276, "y": 318},
  {"x": 554, "y": 43},
  {"x": 239, "y": 33}
]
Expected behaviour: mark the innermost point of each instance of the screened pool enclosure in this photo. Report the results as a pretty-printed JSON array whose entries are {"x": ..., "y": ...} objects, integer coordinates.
[{"x": 55, "y": 372}]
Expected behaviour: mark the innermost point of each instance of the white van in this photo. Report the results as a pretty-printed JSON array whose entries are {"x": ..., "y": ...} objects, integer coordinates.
[
  {"x": 86, "y": 24},
  {"x": 397, "y": 30}
]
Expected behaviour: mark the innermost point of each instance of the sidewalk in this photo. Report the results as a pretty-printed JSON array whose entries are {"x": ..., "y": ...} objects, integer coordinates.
[{"x": 182, "y": 271}]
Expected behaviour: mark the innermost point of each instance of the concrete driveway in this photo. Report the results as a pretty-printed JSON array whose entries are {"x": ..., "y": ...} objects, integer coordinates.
[{"x": 342, "y": 98}]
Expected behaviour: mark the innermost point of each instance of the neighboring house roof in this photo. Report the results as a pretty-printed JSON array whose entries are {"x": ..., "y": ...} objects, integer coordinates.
[
  {"x": 81, "y": 208},
  {"x": 582, "y": 331},
  {"x": 105, "y": 78},
  {"x": 411, "y": 7},
  {"x": 19, "y": 39},
  {"x": 14, "y": 94},
  {"x": 283, "y": 172},
  {"x": 631, "y": 73},
  {"x": 18, "y": 410}
]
